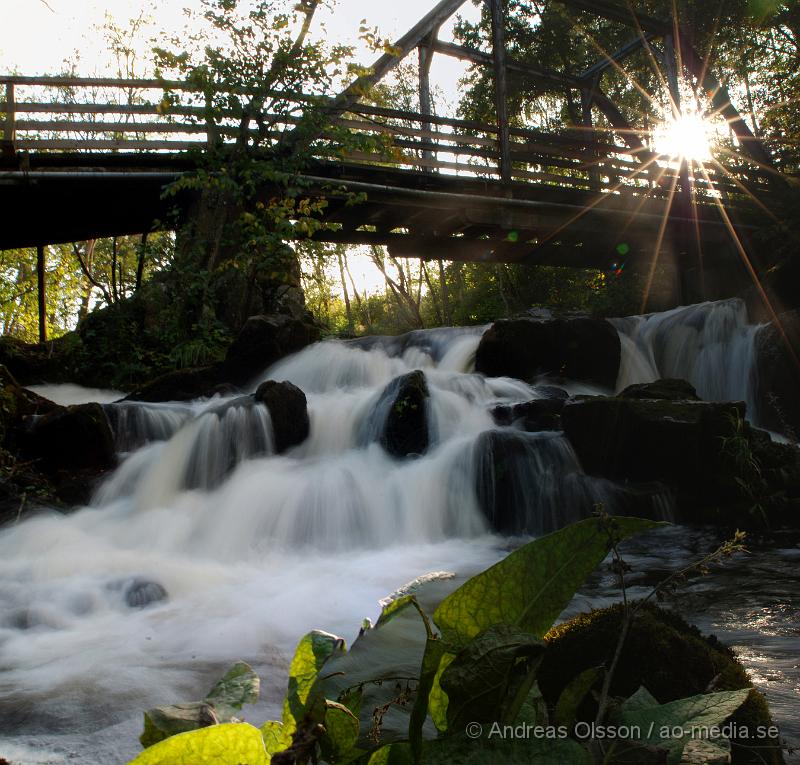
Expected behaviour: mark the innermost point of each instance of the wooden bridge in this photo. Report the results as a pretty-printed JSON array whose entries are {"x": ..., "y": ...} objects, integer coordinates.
[{"x": 90, "y": 157}]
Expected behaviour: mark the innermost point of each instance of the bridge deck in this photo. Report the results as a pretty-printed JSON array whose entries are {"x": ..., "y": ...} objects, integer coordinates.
[{"x": 95, "y": 163}]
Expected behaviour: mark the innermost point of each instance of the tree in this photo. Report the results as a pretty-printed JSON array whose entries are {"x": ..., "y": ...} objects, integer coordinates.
[{"x": 258, "y": 73}]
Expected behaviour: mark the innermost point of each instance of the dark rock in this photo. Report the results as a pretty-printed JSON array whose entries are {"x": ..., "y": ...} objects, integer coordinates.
[
  {"x": 143, "y": 592},
  {"x": 667, "y": 389},
  {"x": 535, "y": 415},
  {"x": 288, "y": 410},
  {"x": 578, "y": 349},
  {"x": 262, "y": 341},
  {"x": 17, "y": 403},
  {"x": 723, "y": 470},
  {"x": 663, "y": 653},
  {"x": 532, "y": 484},
  {"x": 551, "y": 392},
  {"x": 399, "y": 419},
  {"x": 678, "y": 442},
  {"x": 778, "y": 375},
  {"x": 72, "y": 438},
  {"x": 181, "y": 385}
]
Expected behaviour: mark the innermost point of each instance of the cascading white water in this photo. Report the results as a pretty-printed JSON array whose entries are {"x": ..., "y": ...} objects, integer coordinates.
[
  {"x": 252, "y": 548},
  {"x": 712, "y": 345}
]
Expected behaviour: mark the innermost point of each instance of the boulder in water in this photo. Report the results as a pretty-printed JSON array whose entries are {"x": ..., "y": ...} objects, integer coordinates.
[
  {"x": 288, "y": 410},
  {"x": 16, "y": 403},
  {"x": 72, "y": 438},
  {"x": 663, "y": 653},
  {"x": 678, "y": 442},
  {"x": 577, "y": 348},
  {"x": 140, "y": 593},
  {"x": 262, "y": 341},
  {"x": 666, "y": 390},
  {"x": 538, "y": 414},
  {"x": 722, "y": 469},
  {"x": 399, "y": 420}
]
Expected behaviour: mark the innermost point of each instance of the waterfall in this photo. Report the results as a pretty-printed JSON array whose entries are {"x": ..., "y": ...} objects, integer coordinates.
[
  {"x": 206, "y": 543},
  {"x": 135, "y": 423},
  {"x": 711, "y": 345}
]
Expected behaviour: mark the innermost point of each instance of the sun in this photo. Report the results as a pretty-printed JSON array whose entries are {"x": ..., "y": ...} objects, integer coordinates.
[{"x": 686, "y": 136}]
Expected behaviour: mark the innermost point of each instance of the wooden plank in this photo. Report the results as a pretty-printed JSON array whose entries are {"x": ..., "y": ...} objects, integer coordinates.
[
  {"x": 614, "y": 58},
  {"x": 66, "y": 126},
  {"x": 624, "y": 14},
  {"x": 551, "y": 77},
  {"x": 90, "y": 143}
]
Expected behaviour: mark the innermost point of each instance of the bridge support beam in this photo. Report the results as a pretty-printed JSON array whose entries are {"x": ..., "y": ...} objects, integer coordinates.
[{"x": 41, "y": 289}]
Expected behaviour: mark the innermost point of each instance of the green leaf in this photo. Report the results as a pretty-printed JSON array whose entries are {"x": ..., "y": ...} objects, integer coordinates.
[
  {"x": 227, "y": 744},
  {"x": 434, "y": 651},
  {"x": 341, "y": 733},
  {"x": 276, "y": 736},
  {"x": 534, "y": 709},
  {"x": 238, "y": 687},
  {"x": 312, "y": 652},
  {"x": 392, "y": 754},
  {"x": 438, "y": 699},
  {"x": 532, "y": 586},
  {"x": 642, "y": 699},
  {"x": 573, "y": 695},
  {"x": 669, "y": 726},
  {"x": 484, "y": 680},
  {"x": 493, "y": 751},
  {"x": 383, "y": 664}
]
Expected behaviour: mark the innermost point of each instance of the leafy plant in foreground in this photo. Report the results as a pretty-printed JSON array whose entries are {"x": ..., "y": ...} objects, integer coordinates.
[{"x": 413, "y": 688}]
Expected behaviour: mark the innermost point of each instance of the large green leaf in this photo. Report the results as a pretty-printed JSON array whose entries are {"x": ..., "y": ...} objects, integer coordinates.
[
  {"x": 669, "y": 726},
  {"x": 532, "y": 586},
  {"x": 461, "y": 750},
  {"x": 486, "y": 677},
  {"x": 384, "y": 665},
  {"x": 227, "y": 744},
  {"x": 238, "y": 687}
]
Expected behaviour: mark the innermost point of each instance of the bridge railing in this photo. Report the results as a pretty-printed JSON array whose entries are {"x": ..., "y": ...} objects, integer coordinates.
[{"x": 91, "y": 114}]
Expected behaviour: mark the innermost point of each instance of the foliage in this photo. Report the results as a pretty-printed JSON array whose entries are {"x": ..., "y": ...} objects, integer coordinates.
[{"x": 475, "y": 662}]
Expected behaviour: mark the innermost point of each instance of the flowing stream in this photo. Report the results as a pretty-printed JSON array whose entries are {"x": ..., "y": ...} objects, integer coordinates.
[{"x": 205, "y": 547}]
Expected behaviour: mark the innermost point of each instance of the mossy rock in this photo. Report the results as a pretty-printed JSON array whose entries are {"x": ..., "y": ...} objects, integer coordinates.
[{"x": 670, "y": 657}]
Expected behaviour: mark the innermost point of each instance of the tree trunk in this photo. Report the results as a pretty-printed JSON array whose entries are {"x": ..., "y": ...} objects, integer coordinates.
[{"x": 344, "y": 290}]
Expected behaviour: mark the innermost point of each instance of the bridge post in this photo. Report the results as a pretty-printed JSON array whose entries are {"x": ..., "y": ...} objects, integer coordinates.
[
  {"x": 500, "y": 89},
  {"x": 425, "y": 53},
  {"x": 40, "y": 285},
  {"x": 587, "y": 99},
  {"x": 9, "y": 124}
]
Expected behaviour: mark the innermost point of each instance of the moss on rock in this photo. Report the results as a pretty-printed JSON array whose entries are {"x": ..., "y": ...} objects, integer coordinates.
[{"x": 670, "y": 657}]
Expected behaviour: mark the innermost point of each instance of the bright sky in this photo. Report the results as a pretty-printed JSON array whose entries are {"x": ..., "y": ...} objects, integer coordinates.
[{"x": 36, "y": 37}]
